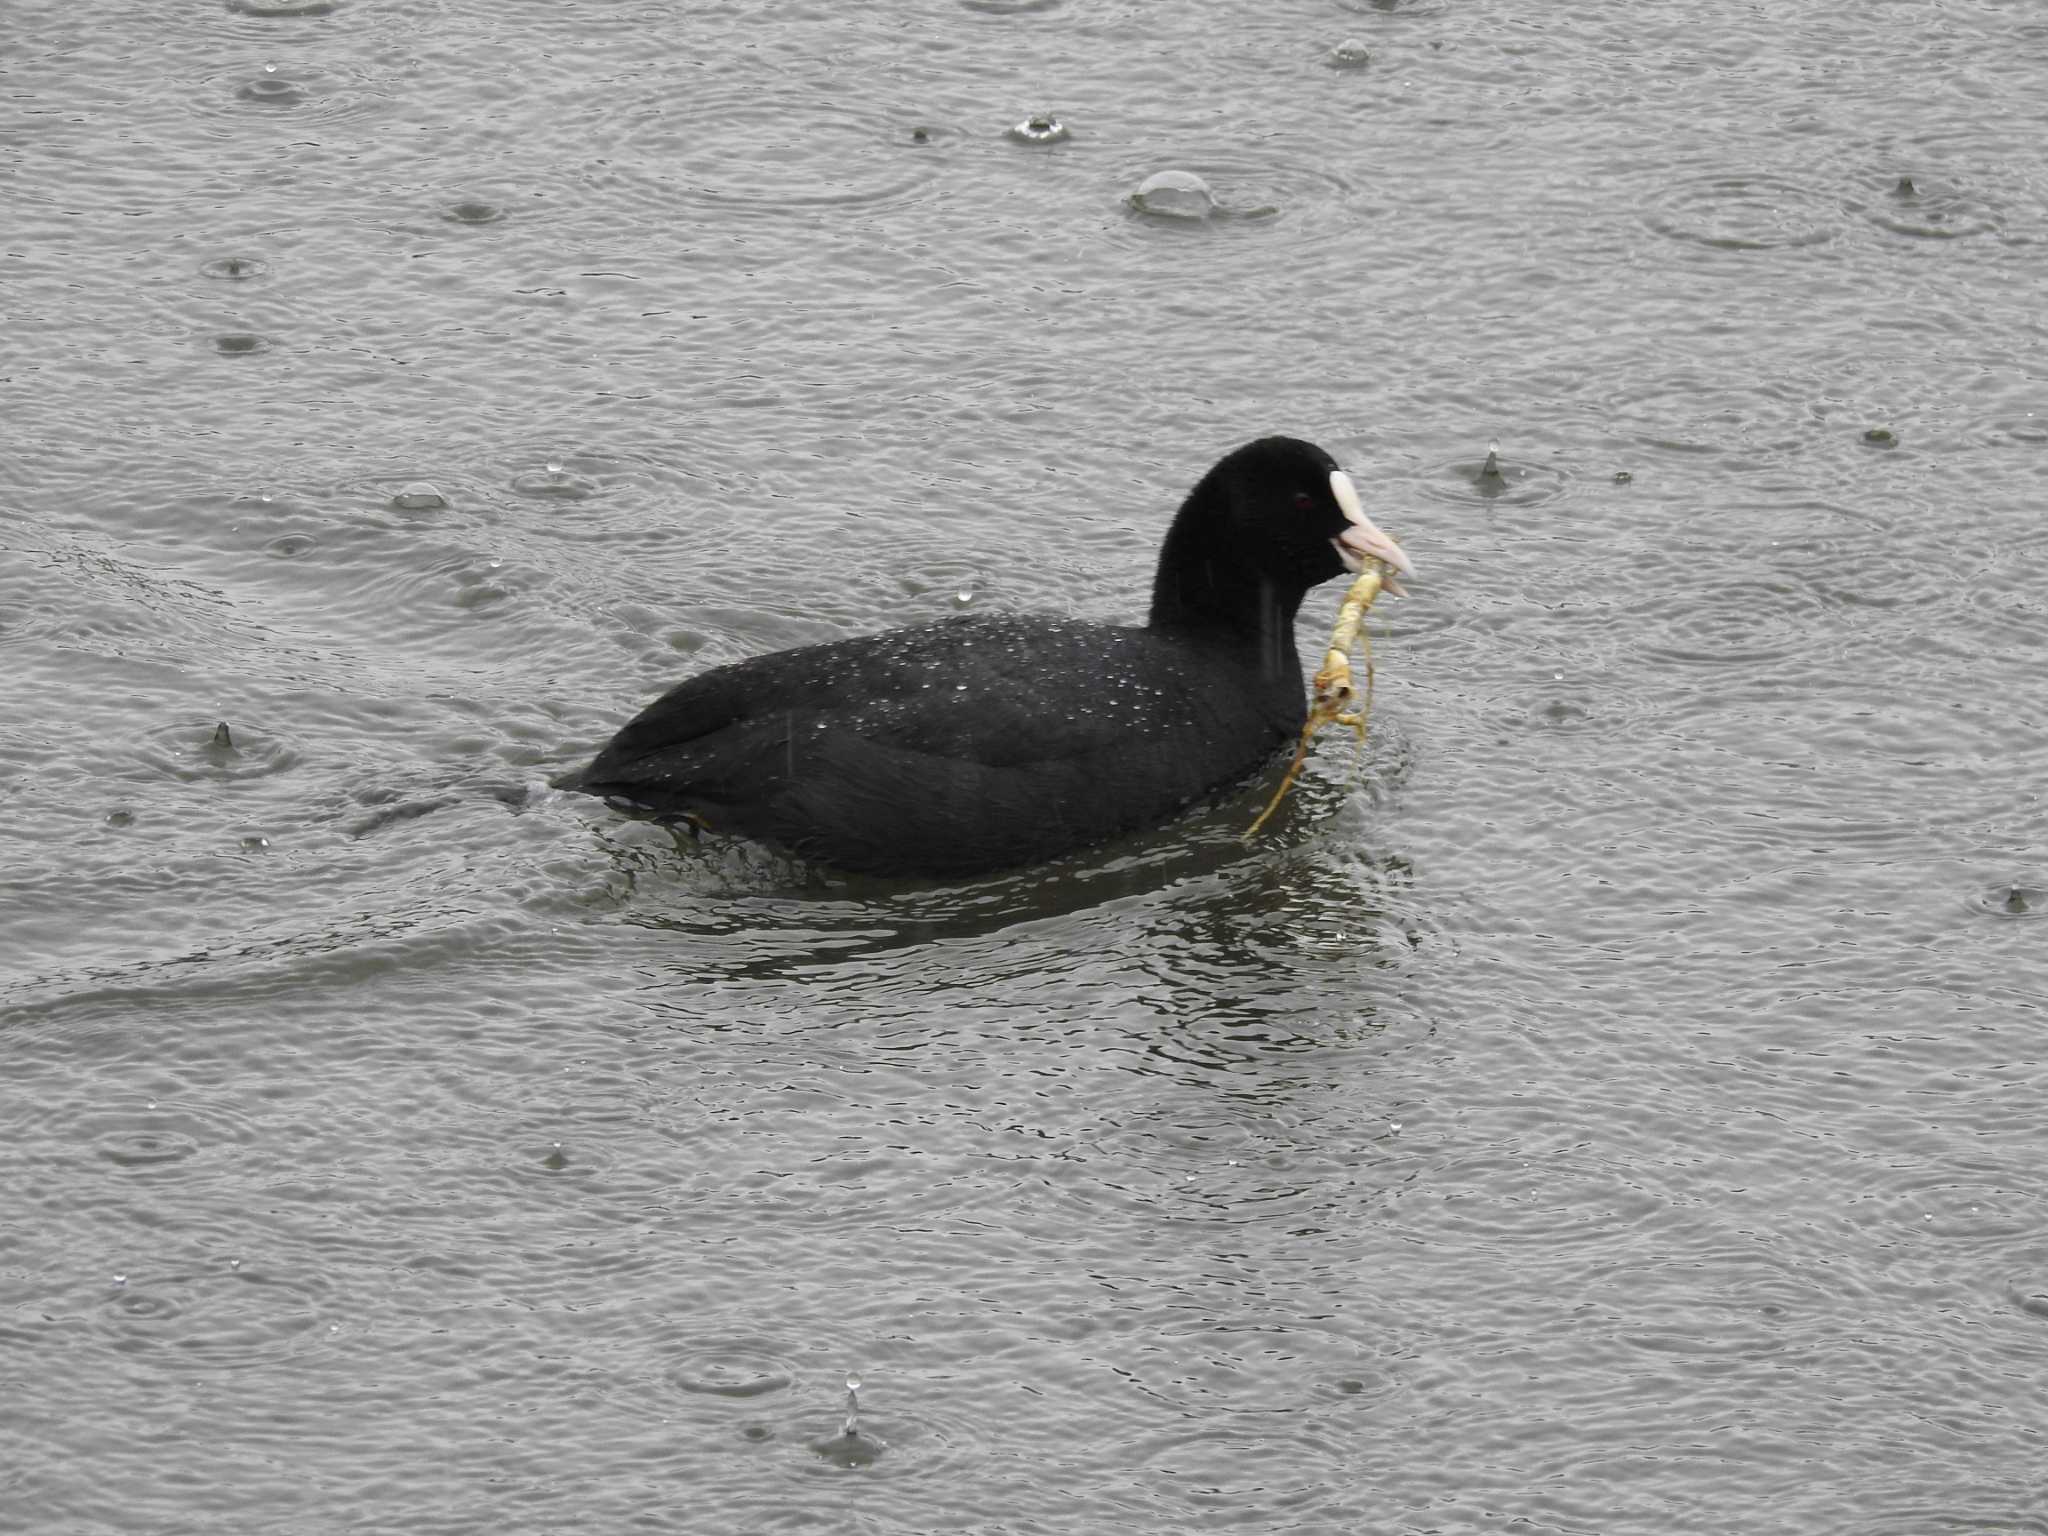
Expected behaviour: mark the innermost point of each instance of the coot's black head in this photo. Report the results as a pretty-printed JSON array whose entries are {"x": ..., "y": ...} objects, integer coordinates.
[{"x": 1268, "y": 522}]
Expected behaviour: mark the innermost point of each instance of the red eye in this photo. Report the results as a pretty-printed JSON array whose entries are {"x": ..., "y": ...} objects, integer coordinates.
[{"x": 1303, "y": 502}]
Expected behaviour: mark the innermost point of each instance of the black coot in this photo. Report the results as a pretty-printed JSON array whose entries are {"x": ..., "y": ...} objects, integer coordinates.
[{"x": 974, "y": 744}]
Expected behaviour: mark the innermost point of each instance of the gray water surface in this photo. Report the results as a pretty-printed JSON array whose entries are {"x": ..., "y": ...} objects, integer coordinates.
[{"x": 1611, "y": 1103}]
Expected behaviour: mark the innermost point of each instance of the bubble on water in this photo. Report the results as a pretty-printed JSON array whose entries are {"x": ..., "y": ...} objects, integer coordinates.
[
  {"x": 1174, "y": 195},
  {"x": 472, "y": 211},
  {"x": 418, "y": 496},
  {"x": 1349, "y": 54},
  {"x": 963, "y": 597},
  {"x": 120, "y": 1280}
]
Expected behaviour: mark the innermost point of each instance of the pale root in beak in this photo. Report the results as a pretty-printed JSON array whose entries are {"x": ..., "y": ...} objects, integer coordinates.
[{"x": 1362, "y": 541}]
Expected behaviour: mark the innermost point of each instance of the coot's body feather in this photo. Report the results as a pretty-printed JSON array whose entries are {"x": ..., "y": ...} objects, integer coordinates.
[{"x": 981, "y": 743}]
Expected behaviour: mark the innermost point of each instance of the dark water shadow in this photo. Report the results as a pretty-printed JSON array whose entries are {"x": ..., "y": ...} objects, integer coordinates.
[{"x": 717, "y": 887}]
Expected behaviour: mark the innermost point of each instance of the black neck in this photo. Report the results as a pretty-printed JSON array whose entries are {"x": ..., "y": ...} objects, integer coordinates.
[{"x": 1208, "y": 591}]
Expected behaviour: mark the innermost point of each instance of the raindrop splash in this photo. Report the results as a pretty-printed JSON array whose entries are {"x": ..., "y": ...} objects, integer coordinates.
[
  {"x": 556, "y": 480},
  {"x": 850, "y": 1449},
  {"x": 1040, "y": 128},
  {"x": 270, "y": 89}
]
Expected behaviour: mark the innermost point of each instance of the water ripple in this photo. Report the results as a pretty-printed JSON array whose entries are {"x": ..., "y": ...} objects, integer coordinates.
[
  {"x": 1745, "y": 211},
  {"x": 914, "y": 1442},
  {"x": 285, "y": 10},
  {"x": 225, "y": 1316},
  {"x": 1407, "y": 9},
  {"x": 193, "y": 751},
  {"x": 737, "y": 1370},
  {"x": 1932, "y": 208},
  {"x": 235, "y": 269},
  {"x": 2022, "y": 900},
  {"x": 1232, "y": 1475},
  {"x": 1538, "y": 1201},
  {"x": 296, "y": 94},
  {"x": 1495, "y": 477},
  {"x": 168, "y": 1138},
  {"x": 774, "y": 147}
]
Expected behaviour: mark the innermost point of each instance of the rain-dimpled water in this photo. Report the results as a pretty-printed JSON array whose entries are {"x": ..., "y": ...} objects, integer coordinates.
[{"x": 1609, "y": 1100}]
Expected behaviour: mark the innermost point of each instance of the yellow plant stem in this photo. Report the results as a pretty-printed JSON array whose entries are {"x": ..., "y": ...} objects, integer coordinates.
[{"x": 1336, "y": 700}]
